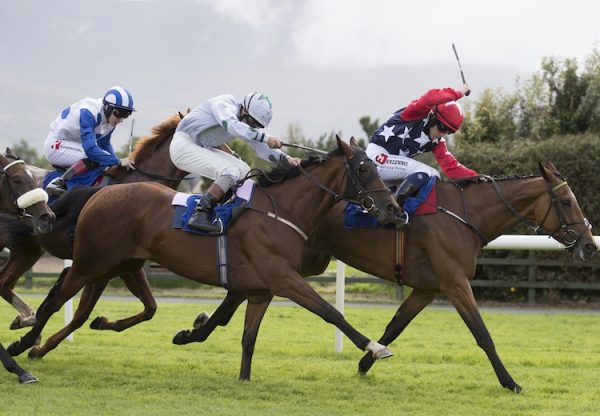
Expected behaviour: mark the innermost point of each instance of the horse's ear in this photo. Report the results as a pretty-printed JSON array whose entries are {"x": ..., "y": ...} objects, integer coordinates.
[
  {"x": 543, "y": 170},
  {"x": 189, "y": 110},
  {"x": 10, "y": 154},
  {"x": 353, "y": 142},
  {"x": 344, "y": 147},
  {"x": 180, "y": 115}
]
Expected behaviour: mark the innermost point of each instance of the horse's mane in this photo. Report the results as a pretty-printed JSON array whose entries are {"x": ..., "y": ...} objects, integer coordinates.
[
  {"x": 281, "y": 173},
  {"x": 146, "y": 146},
  {"x": 485, "y": 179}
]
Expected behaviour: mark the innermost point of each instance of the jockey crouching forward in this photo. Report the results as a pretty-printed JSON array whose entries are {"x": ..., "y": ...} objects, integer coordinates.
[
  {"x": 79, "y": 138},
  {"x": 199, "y": 146},
  {"x": 418, "y": 128}
]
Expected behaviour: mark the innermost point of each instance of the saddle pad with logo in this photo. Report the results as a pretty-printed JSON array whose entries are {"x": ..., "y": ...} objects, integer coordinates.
[
  {"x": 425, "y": 202},
  {"x": 90, "y": 178},
  {"x": 223, "y": 215}
]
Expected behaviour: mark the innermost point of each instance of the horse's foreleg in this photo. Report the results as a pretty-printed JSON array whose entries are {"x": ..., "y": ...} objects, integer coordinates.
[
  {"x": 11, "y": 365},
  {"x": 220, "y": 317},
  {"x": 297, "y": 290},
  {"x": 412, "y": 305},
  {"x": 461, "y": 296},
  {"x": 89, "y": 298},
  {"x": 19, "y": 261},
  {"x": 138, "y": 285},
  {"x": 255, "y": 311},
  {"x": 56, "y": 298}
]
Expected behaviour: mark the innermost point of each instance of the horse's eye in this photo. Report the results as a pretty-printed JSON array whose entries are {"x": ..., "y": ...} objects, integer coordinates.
[{"x": 566, "y": 202}]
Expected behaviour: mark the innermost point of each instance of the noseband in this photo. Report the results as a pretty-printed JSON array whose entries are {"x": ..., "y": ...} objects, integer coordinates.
[{"x": 24, "y": 201}]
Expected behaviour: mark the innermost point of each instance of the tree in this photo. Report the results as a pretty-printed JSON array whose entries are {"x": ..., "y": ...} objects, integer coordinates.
[{"x": 29, "y": 155}]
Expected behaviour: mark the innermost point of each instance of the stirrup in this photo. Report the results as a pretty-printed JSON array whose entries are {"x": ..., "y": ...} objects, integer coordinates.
[
  {"x": 56, "y": 187},
  {"x": 402, "y": 219}
]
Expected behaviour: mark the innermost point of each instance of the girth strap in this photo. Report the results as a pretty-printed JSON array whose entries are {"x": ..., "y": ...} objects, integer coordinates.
[{"x": 222, "y": 260}]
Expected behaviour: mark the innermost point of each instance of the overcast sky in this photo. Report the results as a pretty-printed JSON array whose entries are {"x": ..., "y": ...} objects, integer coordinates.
[{"x": 324, "y": 63}]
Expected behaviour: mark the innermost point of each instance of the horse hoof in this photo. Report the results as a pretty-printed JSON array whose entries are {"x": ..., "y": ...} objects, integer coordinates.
[
  {"x": 181, "y": 337},
  {"x": 201, "y": 320},
  {"x": 382, "y": 353},
  {"x": 27, "y": 378},
  {"x": 98, "y": 323},
  {"x": 35, "y": 353},
  {"x": 22, "y": 322},
  {"x": 365, "y": 364},
  {"x": 515, "y": 388}
]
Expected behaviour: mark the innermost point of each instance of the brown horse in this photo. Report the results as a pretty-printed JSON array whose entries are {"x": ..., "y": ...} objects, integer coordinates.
[
  {"x": 265, "y": 244},
  {"x": 20, "y": 196},
  {"x": 441, "y": 250},
  {"x": 153, "y": 163}
]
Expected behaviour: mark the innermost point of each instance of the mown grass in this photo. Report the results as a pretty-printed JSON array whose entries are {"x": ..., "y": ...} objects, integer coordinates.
[{"x": 437, "y": 370}]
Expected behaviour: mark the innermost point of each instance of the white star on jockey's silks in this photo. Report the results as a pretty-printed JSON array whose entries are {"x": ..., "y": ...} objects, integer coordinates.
[
  {"x": 387, "y": 132},
  {"x": 405, "y": 135},
  {"x": 422, "y": 140}
]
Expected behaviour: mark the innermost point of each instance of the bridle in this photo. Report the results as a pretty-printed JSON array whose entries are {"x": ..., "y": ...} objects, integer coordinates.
[
  {"x": 354, "y": 184},
  {"x": 20, "y": 203},
  {"x": 570, "y": 236}
]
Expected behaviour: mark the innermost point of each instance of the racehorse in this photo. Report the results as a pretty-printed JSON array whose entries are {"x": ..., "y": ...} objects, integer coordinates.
[
  {"x": 441, "y": 250},
  {"x": 265, "y": 243},
  {"x": 20, "y": 196},
  {"x": 153, "y": 163}
]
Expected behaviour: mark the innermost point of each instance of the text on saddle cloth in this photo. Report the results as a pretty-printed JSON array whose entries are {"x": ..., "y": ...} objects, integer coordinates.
[{"x": 425, "y": 202}]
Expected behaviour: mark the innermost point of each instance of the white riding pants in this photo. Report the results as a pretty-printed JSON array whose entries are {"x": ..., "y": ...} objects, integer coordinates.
[
  {"x": 208, "y": 162},
  {"x": 63, "y": 153},
  {"x": 394, "y": 168}
]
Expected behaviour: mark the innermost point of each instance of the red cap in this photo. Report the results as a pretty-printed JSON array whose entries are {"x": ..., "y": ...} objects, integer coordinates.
[{"x": 451, "y": 114}]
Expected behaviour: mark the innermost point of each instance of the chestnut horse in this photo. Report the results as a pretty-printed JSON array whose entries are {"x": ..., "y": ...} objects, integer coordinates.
[
  {"x": 20, "y": 196},
  {"x": 441, "y": 250},
  {"x": 265, "y": 245},
  {"x": 153, "y": 163}
]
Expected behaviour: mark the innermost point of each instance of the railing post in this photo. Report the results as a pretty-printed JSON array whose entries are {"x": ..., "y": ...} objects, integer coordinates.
[
  {"x": 28, "y": 280},
  {"x": 531, "y": 278}
]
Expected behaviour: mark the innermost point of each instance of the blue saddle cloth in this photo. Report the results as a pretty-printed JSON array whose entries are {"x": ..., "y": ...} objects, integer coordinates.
[
  {"x": 89, "y": 178},
  {"x": 224, "y": 214},
  {"x": 355, "y": 217}
]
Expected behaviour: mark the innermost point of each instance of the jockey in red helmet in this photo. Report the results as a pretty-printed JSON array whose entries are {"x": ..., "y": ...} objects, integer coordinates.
[{"x": 418, "y": 128}]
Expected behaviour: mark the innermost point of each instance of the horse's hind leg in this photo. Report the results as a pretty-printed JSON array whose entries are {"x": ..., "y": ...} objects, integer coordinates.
[
  {"x": 255, "y": 311},
  {"x": 20, "y": 260},
  {"x": 461, "y": 296},
  {"x": 89, "y": 298},
  {"x": 138, "y": 285},
  {"x": 11, "y": 365},
  {"x": 411, "y": 307},
  {"x": 220, "y": 317}
]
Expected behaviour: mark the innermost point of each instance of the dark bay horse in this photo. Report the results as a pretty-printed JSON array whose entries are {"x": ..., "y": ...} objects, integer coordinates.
[
  {"x": 153, "y": 163},
  {"x": 265, "y": 243},
  {"x": 442, "y": 249},
  {"x": 20, "y": 196}
]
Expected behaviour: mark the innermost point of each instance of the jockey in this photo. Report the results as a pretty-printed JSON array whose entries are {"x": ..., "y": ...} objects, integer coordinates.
[
  {"x": 418, "y": 128},
  {"x": 79, "y": 138},
  {"x": 199, "y": 146}
]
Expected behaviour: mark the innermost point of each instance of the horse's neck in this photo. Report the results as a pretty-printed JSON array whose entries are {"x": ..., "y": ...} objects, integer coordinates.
[
  {"x": 302, "y": 201},
  {"x": 492, "y": 216}
]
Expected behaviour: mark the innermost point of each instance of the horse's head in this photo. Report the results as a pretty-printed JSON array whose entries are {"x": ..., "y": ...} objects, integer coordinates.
[
  {"x": 364, "y": 186},
  {"x": 20, "y": 195},
  {"x": 562, "y": 218}
]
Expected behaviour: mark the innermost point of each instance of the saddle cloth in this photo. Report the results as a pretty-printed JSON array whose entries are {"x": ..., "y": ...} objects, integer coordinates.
[
  {"x": 223, "y": 214},
  {"x": 425, "y": 202}
]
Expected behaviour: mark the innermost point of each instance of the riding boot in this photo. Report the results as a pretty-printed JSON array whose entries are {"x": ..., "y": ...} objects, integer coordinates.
[
  {"x": 404, "y": 190},
  {"x": 58, "y": 186},
  {"x": 199, "y": 219}
]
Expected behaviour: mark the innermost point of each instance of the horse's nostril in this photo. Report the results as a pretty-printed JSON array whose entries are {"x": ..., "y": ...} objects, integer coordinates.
[{"x": 591, "y": 247}]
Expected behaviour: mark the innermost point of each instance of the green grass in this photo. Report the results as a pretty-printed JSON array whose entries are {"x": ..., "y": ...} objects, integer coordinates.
[{"x": 437, "y": 369}]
